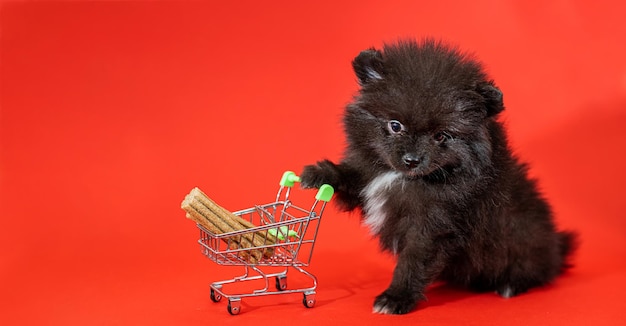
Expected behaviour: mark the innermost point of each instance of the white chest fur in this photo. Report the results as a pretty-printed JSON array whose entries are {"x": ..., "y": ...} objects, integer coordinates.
[{"x": 375, "y": 195}]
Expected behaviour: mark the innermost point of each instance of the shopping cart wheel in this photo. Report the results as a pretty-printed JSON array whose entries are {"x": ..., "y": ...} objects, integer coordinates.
[
  {"x": 215, "y": 297},
  {"x": 309, "y": 299},
  {"x": 234, "y": 306},
  {"x": 281, "y": 283}
]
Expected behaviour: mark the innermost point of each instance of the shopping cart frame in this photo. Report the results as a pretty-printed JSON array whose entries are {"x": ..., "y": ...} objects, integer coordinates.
[{"x": 295, "y": 230}]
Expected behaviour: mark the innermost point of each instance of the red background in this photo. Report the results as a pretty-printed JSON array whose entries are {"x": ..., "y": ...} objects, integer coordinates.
[{"x": 112, "y": 111}]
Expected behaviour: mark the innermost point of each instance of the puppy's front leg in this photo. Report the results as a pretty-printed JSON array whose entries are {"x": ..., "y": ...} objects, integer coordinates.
[
  {"x": 346, "y": 181},
  {"x": 417, "y": 267},
  {"x": 313, "y": 176}
]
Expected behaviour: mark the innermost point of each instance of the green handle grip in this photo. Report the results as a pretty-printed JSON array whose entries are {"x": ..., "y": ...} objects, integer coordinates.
[
  {"x": 283, "y": 233},
  {"x": 289, "y": 179},
  {"x": 324, "y": 193}
]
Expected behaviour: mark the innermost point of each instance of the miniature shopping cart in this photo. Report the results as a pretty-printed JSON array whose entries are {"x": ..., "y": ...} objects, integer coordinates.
[{"x": 294, "y": 230}]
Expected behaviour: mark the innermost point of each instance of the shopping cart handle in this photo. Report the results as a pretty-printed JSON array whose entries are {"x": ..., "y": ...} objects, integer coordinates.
[
  {"x": 325, "y": 193},
  {"x": 288, "y": 179}
]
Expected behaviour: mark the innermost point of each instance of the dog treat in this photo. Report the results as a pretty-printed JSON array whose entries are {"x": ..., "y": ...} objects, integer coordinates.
[
  {"x": 202, "y": 221},
  {"x": 237, "y": 223},
  {"x": 234, "y": 242},
  {"x": 246, "y": 240},
  {"x": 218, "y": 220},
  {"x": 196, "y": 217},
  {"x": 271, "y": 238},
  {"x": 207, "y": 223},
  {"x": 231, "y": 219}
]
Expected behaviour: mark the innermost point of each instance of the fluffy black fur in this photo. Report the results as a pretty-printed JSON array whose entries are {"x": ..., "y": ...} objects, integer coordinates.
[{"x": 429, "y": 165}]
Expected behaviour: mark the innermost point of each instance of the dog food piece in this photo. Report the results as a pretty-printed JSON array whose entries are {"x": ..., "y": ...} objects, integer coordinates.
[
  {"x": 258, "y": 239},
  {"x": 202, "y": 221},
  {"x": 234, "y": 243},
  {"x": 225, "y": 221},
  {"x": 242, "y": 241}
]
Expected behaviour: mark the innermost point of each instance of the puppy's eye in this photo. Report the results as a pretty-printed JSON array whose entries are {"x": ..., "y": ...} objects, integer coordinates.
[
  {"x": 395, "y": 126},
  {"x": 441, "y": 136}
]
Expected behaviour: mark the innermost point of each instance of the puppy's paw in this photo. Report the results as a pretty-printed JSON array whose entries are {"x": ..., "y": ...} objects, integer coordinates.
[
  {"x": 394, "y": 304},
  {"x": 509, "y": 291},
  {"x": 324, "y": 172}
]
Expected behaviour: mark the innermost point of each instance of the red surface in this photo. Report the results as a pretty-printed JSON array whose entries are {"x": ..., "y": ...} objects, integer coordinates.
[{"x": 112, "y": 111}]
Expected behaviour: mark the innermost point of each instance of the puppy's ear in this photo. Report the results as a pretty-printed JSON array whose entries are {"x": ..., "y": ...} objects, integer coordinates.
[
  {"x": 493, "y": 98},
  {"x": 368, "y": 66}
]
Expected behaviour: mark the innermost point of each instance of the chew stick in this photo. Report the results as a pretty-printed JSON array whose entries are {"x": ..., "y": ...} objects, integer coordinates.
[
  {"x": 245, "y": 240},
  {"x": 216, "y": 226},
  {"x": 210, "y": 227},
  {"x": 197, "y": 217},
  {"x": 234, "y": 221},
  {"x": 218, "y": 220},
  {"x": 194, "y": 216},
  {"x": 247, "y": 224}
]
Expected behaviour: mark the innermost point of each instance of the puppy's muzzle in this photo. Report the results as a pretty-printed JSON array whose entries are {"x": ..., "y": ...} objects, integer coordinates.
[{"x": 412, "y": 160}]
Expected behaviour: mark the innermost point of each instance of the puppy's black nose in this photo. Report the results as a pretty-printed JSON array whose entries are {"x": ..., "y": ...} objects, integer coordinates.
[{"x": 411, "y": 160}]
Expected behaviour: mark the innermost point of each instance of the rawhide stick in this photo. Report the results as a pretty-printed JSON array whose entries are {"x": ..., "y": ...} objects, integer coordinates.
[
  {"x": 258, "y": 239},
  {"x": 199, "y": 218},
  {"x": 210, "y": 227},
  {"x": 214, "y": 224},
  {"x": 202, "y": 221},
  {"x": 245, "y": 240},
  {"x": 270, "y": 239},
  {"x": 233, "y": 221},
  {"x": 229, "y": 222}
]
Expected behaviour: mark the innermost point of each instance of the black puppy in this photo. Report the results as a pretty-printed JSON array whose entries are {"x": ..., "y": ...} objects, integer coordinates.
[{"x": 429, "y": 165}]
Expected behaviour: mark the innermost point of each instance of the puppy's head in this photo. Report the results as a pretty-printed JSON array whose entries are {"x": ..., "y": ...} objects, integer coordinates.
[{"x": 423, "y": 109}]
